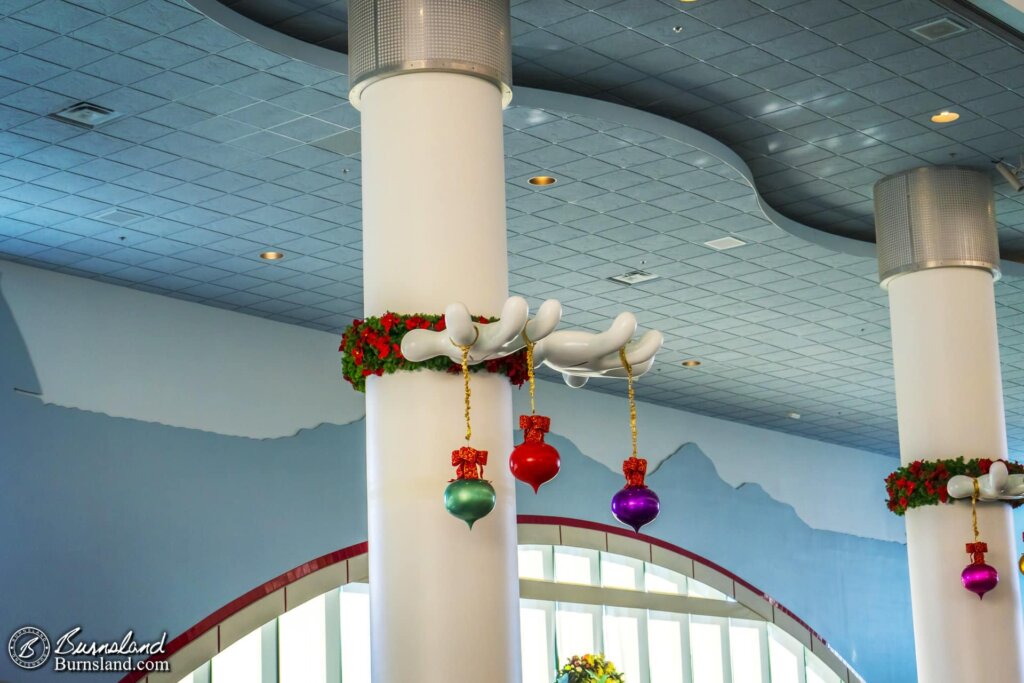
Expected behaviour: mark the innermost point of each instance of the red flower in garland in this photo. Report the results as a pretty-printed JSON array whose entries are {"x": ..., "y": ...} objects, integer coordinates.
[{"x": 387, "y": 321}]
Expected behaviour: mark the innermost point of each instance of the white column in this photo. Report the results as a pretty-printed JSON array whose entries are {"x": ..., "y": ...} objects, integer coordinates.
[
  {"x": 444, "y": 600},
  {"x": 950, "y": 403}
]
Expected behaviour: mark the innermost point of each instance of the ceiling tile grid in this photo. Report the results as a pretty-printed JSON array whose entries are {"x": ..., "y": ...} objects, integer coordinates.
[
  {"x": 224, "y": 149},
  {"x": 821, "y": 97}
]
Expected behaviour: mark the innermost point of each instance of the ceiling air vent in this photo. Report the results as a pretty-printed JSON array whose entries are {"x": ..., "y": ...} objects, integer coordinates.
[
  {"x": 85, "y": 115},
  {"x": 939, "y": 29},
  {"x": 118, "y": 216},
  {"x": 634, "y": 277}
]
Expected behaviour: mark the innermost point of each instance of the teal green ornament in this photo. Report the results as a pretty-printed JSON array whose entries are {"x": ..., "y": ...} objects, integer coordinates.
[{"x": 469, "y": 499}]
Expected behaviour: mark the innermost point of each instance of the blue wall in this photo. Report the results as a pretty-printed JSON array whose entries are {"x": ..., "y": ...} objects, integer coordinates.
[{"x": 112, "y": 524}]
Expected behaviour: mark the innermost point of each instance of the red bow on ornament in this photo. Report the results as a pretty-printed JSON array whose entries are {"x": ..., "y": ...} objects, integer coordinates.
[
  {"x": 634, "y": 468},
  {"x": 534, "y": 427},
  {"x": 466, "y": 460},
  {"x": 977, "y": 551}
]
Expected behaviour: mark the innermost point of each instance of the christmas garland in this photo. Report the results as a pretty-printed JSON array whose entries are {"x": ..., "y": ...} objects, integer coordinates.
[
  {"x": 923, "y": 482},
  {"x": 374, "y": 347}
]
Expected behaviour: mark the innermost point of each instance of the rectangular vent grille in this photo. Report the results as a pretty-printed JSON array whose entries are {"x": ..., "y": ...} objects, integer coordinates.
[
  {"x": 85, "y": 115},
  {"x": 936, "y": 30},
  {"x": 118, "y": 216},
  {"x": 634, "y": 277}
]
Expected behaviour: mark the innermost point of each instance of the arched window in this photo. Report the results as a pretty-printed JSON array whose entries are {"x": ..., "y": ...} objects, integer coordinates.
[{"x": 662, "y": 614}]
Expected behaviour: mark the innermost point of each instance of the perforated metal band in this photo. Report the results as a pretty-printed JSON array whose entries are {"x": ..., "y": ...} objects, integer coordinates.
[
  {"x": 935, "y": 217},
  {"x": 392, "y": 37}
]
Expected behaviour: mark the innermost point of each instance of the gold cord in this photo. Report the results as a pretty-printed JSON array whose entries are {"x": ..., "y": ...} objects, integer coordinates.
[
  {"x": 465, "y": 382},
  {"x": 632, "y": 397},
  {"x": 529, "y": 370},
  {"x": 465, "y": 374},
  {"x": 974, "y": 510}
]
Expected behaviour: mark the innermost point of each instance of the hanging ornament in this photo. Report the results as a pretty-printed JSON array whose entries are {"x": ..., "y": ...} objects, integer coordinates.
[
  {"x": 468, "y": 497},
  {"x": 1020, "y": 562},
  {"x": 634, "y": 505},
  {"x": 978, "y": 577},
  {"x": 534, "y": 461}
]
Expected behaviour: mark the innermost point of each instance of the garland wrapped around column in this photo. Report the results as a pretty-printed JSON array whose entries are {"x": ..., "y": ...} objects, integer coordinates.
[
  {"x": 373, "y": 347},
  {"x": 923, "y": 482}
]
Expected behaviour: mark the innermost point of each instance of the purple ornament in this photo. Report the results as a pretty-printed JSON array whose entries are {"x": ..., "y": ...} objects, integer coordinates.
[
  {"x": 635, "y": 506},
  {"x": 979, "y": 578}
]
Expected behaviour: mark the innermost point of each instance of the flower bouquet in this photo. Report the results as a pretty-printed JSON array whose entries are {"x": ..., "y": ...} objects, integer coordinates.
[{"x": 588, "y": 669}]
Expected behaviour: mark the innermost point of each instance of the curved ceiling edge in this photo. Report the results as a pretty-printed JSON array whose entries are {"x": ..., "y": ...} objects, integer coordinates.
[{"x": 574, "y": 104}]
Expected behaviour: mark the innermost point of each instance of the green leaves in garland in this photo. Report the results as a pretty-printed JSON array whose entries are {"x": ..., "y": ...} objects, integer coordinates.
[
  {"x": 374, "y": 347},
  {"x": 923, "y": 482}
]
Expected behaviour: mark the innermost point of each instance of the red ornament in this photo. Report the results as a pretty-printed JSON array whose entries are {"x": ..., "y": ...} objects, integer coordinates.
[{"x": 533, "y": 461}]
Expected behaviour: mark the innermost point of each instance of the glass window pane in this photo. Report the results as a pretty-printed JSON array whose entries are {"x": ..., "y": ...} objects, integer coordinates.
[
  {"x": 302, "y": 643},
  {"x": 534, "y": 636},
  {"x": 784, "y": 656},
  {"x": 575, "y": 630},
  {"x": 745, "y": 652},
  {"x": 660, "y": 580},
  {"x": 817, "y": 671},
  {"x": 355, "y": 633},
  {"x": 622, "y": 635},
  {"x": 621, "y": 572},
  {"x": 706, "y": 650},
  {"x": 696, "y": 589},
  {"x": 241, "y": 662},
  {"x": 531, "y": 563},
  {"x": 665, "y": 648},
  {"x": 575, "y": 565}
]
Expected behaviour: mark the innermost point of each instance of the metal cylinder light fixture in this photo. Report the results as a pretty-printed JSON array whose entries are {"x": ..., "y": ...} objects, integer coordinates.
[
  {"x": 935, "y": 217},
  {"x": 392, "y": 37}
]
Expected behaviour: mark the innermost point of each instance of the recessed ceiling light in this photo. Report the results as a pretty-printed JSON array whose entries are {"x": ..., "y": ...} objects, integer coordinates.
[
  {"x": 945, "y": 117},
  {"x": 543, "y": 180},
  {"x": 723, "y": 243},
  {"x": 271, "y": 256},
  {"x": 633, "y": 277},
  {"x": 793, "y": 415},
  {"x": 691, "y": 363},
  {"x": 85, "y": 115}
]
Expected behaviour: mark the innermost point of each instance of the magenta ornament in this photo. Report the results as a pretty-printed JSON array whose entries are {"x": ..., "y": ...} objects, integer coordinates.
[
  {"x": 635, "y": 506},
  {"x": 979, "y": 578}
]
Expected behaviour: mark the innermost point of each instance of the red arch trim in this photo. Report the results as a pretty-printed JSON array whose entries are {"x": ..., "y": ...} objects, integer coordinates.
[
  {"x": 293, "y": 575},
  {"x": 243, "y": 601}
]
